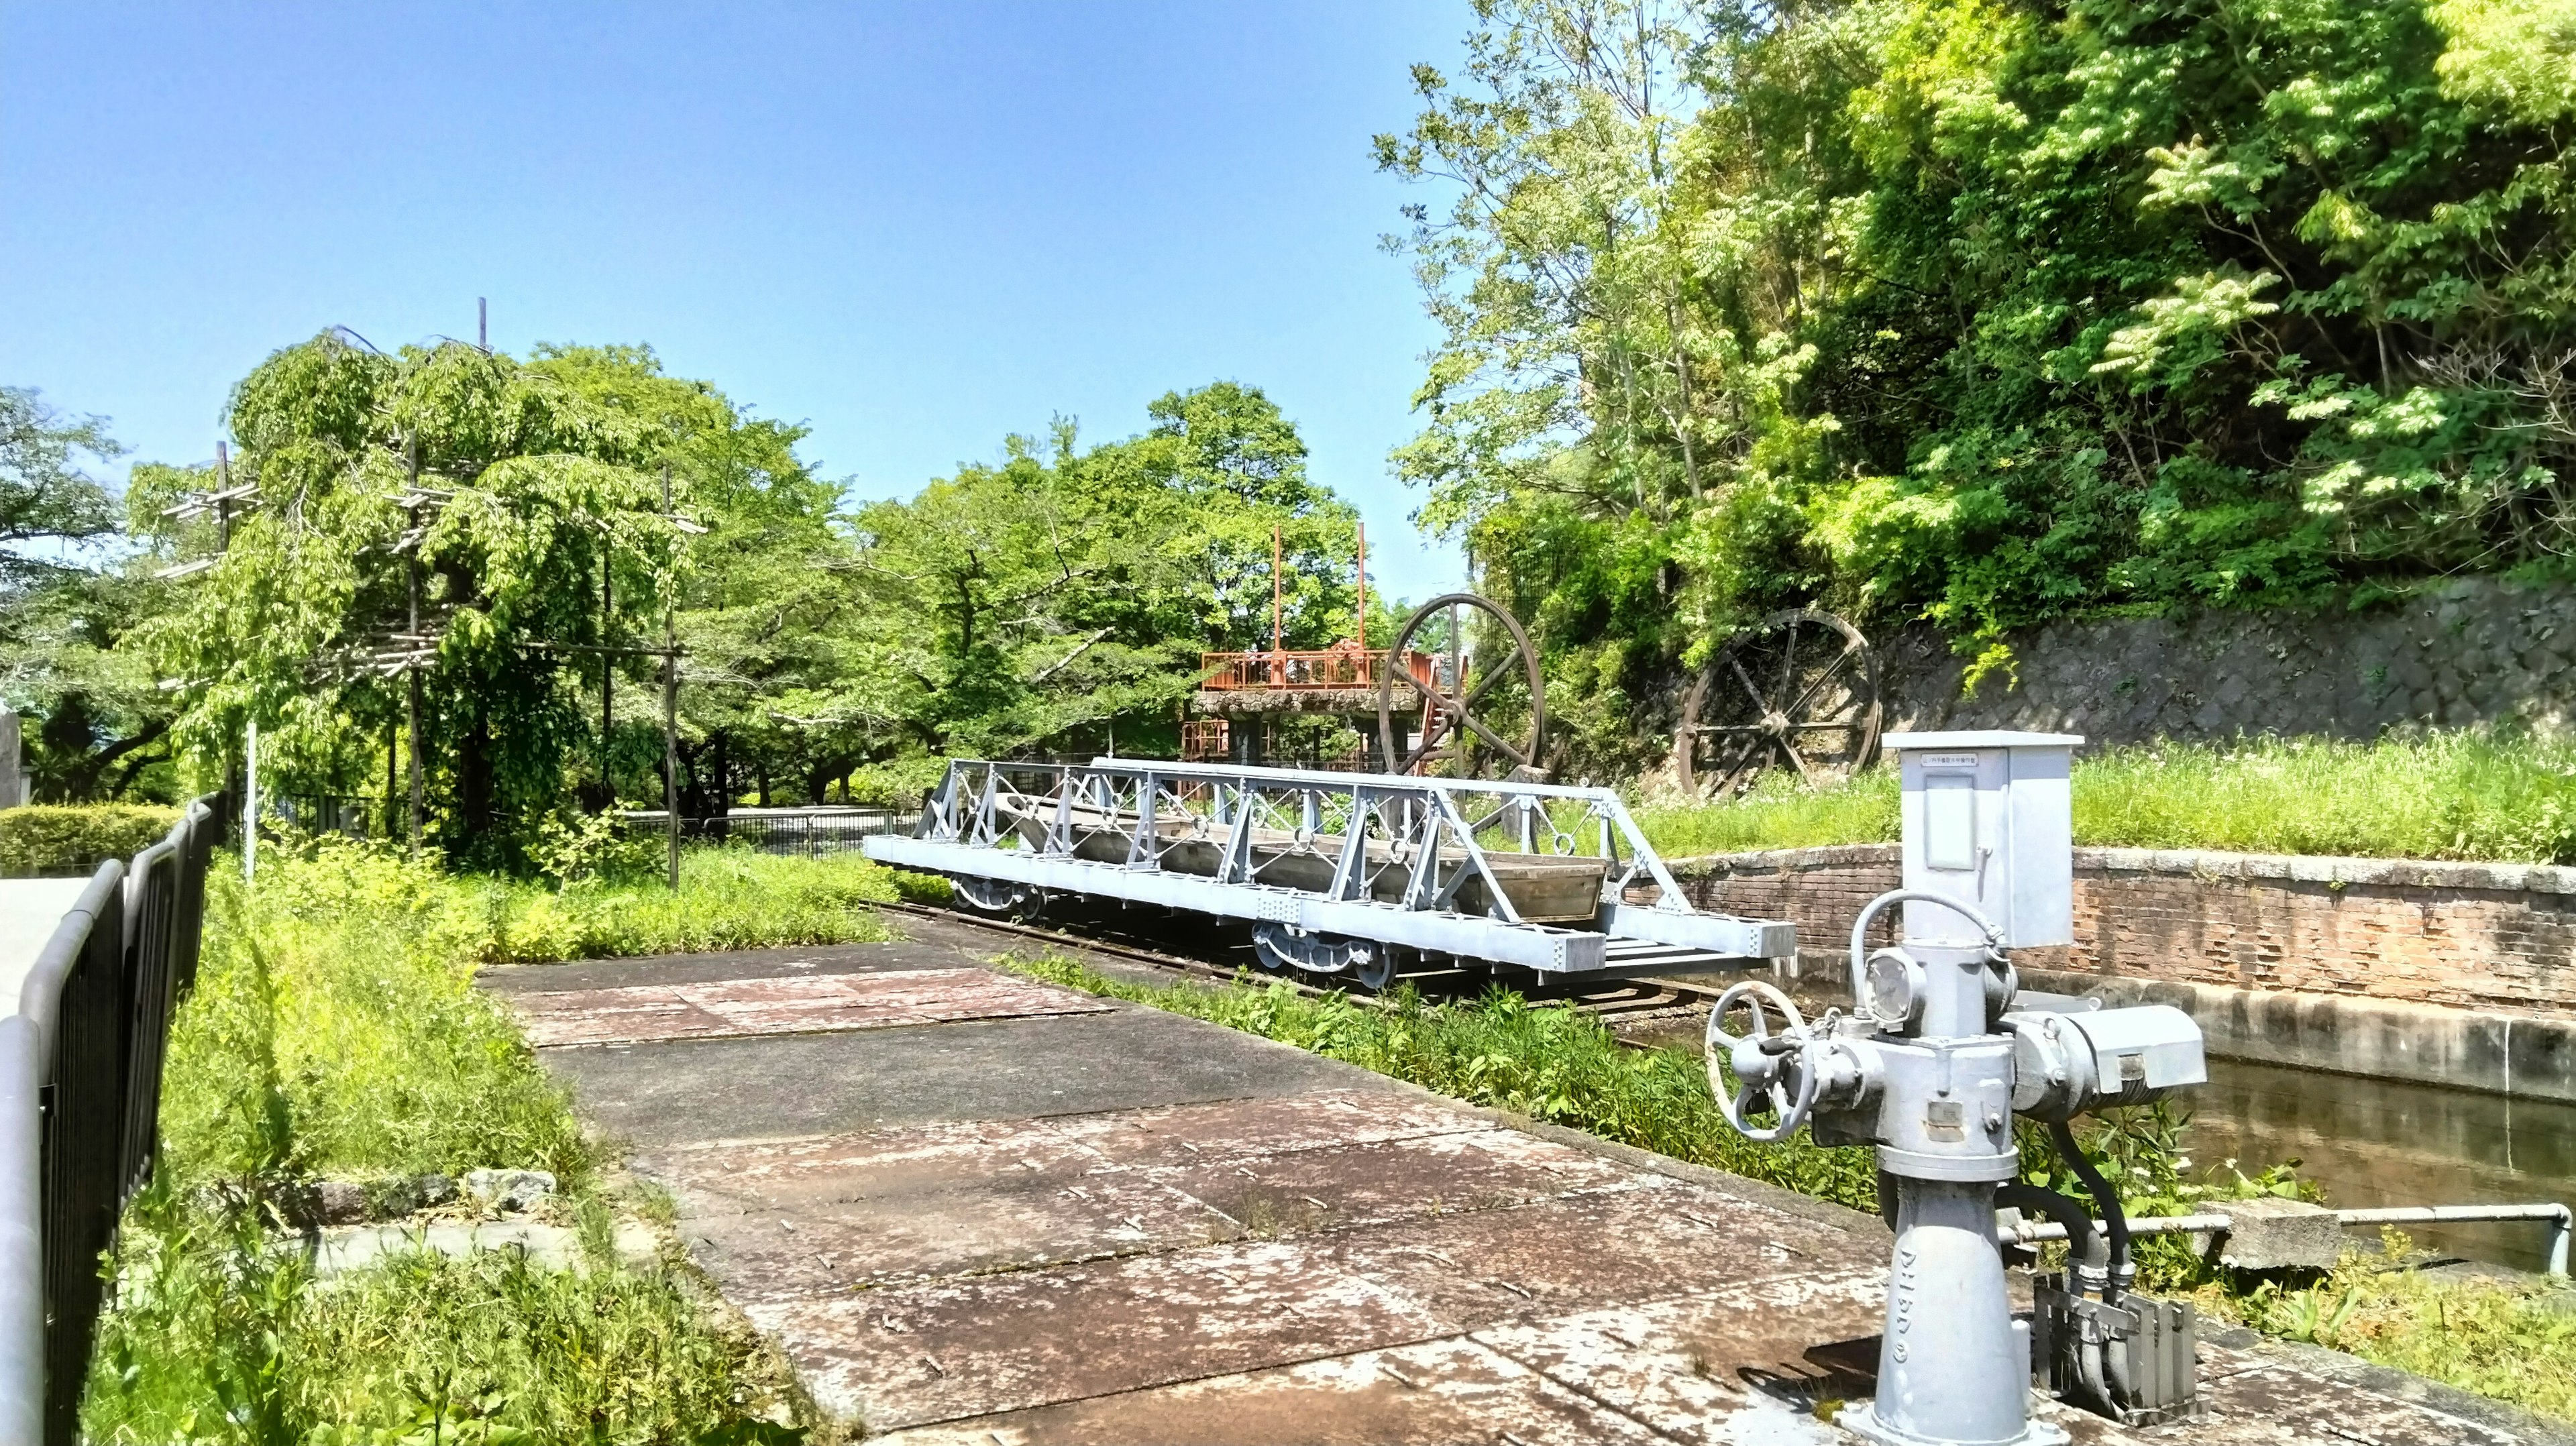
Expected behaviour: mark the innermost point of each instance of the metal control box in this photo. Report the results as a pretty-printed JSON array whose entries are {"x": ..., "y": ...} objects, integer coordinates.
[{"x": 1988, "y": 820}]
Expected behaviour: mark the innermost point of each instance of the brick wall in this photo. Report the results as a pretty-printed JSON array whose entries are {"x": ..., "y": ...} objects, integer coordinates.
[{"x": 2493, "y": 938}]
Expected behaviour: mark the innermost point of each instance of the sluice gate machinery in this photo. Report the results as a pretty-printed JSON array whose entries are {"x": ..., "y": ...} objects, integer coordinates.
[
  {"x": 1942, "y": 1048},
  {"x": 1337, "y": 873}
]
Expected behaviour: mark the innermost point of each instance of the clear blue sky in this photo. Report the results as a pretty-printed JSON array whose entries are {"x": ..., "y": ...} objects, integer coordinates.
[{"x": 916, "y": 228}]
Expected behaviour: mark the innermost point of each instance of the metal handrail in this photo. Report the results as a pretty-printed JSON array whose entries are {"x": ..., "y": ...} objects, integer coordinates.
[
  {"x": 80, "y": 1084},
  {"x": 1342, "y": 667},
  {"x": 2561, "y": 1219}
]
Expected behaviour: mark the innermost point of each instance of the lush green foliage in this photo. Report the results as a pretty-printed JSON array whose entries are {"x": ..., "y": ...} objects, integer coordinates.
[
  {"x": 94, "y": 724},
  {"x": 43, "y": 840},
  {"x": 1988, "y": 310},
  {"x": 507, "y": 488},
  {"x": 1776, "y": 813},
  {"x": 232, "y": 1343},
  {"x": 2434, "y": 796},
  {"x": 1045, "y": 597},
  {"x": 2511, "y": 1340},
  {"x": 1036, "y": 601},
  {"x": 335, "y": 1031},
  {"x": 2457, "y": 795}
]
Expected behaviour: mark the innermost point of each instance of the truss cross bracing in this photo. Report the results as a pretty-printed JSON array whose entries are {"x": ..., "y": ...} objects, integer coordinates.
[{"x": 1333, "y": 869}]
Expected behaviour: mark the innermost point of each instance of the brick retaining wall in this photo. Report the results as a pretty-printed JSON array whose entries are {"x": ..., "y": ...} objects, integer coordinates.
[
  {"x": 2490, "y": 937},
  {"x": 2453, "y": 974}
]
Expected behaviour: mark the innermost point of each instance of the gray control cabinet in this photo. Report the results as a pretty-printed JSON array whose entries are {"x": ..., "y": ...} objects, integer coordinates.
[{"x": 1988, "y": 820}]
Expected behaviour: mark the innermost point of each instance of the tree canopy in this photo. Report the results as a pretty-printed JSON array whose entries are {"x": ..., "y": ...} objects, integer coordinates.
[
  {"x": 1030, "y": 602},
  {"x": 1988, "y": 311}
]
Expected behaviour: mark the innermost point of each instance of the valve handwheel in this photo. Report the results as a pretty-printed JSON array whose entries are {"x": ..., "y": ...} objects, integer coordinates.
[{"x": 1772, "y": 1070}]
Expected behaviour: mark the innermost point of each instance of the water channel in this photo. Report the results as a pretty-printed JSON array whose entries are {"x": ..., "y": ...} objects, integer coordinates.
[{"x": 2382, "y": 1142}]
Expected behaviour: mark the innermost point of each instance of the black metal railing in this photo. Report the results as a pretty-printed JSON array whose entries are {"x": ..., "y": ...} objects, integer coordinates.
[
  {"x": 806, "y": 832},
  {"x": 95, "y": 1009}
]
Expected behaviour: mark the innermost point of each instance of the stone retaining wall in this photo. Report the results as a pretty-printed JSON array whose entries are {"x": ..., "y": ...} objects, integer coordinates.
[
  {"x": 2466, "y": 651},
  {"x": 2400, "y": 943}
]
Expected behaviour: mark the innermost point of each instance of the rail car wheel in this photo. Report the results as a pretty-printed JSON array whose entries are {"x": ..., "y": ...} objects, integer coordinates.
[
  {"x": 1798, "y": 690},
  {"x": 999, "y": 897},
  {"x": 1481, "y": 708},
  {"x": 1281, "y": 948}
]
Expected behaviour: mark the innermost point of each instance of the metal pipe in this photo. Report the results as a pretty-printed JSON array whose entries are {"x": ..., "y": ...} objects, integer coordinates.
[
  {"x": 1870, "y": 911},
  {"x": 27, "y": 1043},
  {"x": 22, "y": 1241},
  {"x": 2561, "y": 1220}
]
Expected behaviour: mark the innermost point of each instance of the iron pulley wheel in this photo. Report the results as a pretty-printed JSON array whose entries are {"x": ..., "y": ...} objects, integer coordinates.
[
  {"x": 1482, "y": 701},
  {"x": 1798, "y": 690},
  {"x": 1774, "y": 1072}
]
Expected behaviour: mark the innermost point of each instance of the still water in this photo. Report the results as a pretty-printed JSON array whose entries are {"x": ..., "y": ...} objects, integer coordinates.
[{"x": 2379, "y": 1142}]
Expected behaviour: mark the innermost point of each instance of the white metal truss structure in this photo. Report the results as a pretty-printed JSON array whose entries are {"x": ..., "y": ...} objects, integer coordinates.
[{"x": 1334, "y": 870}]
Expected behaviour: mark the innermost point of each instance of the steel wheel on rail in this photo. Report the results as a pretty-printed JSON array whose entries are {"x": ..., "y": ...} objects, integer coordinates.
[
  {"x": 1798, "y": 690},
  {"x": 1325, "y": 959},
  {"x": 1000, "y": 898},
  {"x": 1482, "y": 701}
]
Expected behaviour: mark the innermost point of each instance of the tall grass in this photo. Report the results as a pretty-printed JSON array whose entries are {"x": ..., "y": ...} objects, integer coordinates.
[
  {"x": 2457, "y": 795},
  {"x": 2501, "y": 1338},
  {"x": 335, "y": 1031},
  {"x": 2464, "y": 795},
  {"x": 1778, "y": 812}
]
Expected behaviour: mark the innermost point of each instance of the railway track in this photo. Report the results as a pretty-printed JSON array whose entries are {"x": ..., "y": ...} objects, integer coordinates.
[{"x": 1625, "y": 1003}]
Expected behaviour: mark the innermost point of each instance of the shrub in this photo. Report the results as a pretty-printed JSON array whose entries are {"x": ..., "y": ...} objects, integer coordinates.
[{"x": 44, "y": 840}]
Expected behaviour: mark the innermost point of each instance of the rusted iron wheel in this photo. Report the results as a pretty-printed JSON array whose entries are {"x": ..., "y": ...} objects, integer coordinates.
[
  {"x": 1481, "y": 709},
  {"x": 1798, "y": 690}
]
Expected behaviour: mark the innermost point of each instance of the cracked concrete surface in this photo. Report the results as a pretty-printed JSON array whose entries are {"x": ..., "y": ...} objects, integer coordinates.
[{"x": 974, "y": 1209}]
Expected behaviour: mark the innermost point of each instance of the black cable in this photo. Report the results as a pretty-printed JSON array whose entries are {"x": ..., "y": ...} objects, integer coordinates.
[
  {"x": 2113, "y": 1219},
  {"x": 2082, "y": 1244}
]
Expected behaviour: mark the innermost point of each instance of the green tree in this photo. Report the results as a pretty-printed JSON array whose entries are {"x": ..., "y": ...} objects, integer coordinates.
[
  {"x": 1046, "y": 597},
  {"x": 1988, "y": 311},
  {"x": 505, "y": 487},
  {"x": 94, "y": 722},
  {"x": 766, "y": 612}
]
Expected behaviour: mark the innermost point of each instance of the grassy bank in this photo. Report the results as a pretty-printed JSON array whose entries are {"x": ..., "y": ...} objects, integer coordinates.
[
  {"x": 2469, "y": 795},
  {"x": 2503, "y": 1340},
  {"x": 335, "y": 1032}
]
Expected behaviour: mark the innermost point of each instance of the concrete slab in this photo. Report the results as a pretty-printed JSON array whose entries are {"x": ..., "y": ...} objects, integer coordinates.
[
  {"x": 1130, "y": 1227},
  {"x": 812, "y": 1084},
  {"x": 1446, "y": 1390},
  {"x": 815, "y": 1004},
  {"x": 980, "y": 1344}
]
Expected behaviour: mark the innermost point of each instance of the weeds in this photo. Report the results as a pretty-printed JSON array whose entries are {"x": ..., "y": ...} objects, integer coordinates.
[
  {"x": 335, "y": 1030},
  {"x": 2499, "y": 1338},
  {"x": 2457, "y": 795}
]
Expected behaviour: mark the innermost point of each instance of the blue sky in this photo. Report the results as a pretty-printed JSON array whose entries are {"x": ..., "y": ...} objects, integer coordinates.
[{"x": 916, "y": 228}]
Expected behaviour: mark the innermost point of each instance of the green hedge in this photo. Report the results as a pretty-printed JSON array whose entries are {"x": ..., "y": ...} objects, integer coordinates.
[{"x": 54, "y": 841}]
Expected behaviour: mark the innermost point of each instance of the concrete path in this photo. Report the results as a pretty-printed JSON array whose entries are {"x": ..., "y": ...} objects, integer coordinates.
[{"x": 974, "y": 1209}]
